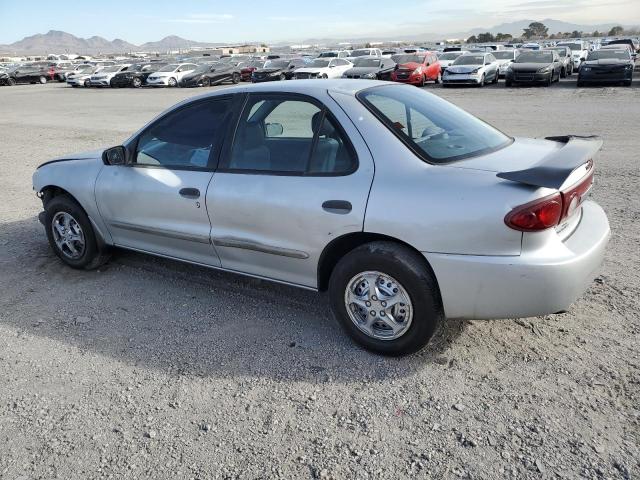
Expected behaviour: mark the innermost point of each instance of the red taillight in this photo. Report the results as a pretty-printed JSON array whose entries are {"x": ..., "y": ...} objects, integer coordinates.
[
  {"x": 550, "y": 211},
  {"x": 535, "y": 216}
]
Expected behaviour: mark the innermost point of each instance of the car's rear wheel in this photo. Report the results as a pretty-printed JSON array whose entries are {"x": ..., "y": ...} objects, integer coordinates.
[
  {"x": 71, "y": 235},
  {"x": 11, "y": 82},
  {"x": 235, "y": 78},
  {"x": 136, "y": 82},
  {"x": 324, "y": 76},
  {"x": 386, "y": 298},
  {"x": 42, "y": 79}
]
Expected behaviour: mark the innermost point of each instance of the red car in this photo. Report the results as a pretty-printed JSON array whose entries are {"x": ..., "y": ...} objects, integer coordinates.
[
  {"x": 245, "y": 72},
  {"x": 416, "y": 68}
]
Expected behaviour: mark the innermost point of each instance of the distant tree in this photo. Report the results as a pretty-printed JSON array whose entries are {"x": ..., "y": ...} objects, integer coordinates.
[
  {"x": 503, "y": 37},
  {"x": 615, "y": 31},
  {"x": 367, "y": 45},
  {"x": 472, "y": 39},
  {"x": 576, "y": 34},
  {"x": 596, "y": 34},
  {"x": 536, "y": 30},
  {"x": 485, "y": 37}
]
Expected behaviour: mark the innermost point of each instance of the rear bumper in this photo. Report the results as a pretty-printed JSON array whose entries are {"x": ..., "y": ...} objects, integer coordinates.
[{"x": 545, "y": 280}]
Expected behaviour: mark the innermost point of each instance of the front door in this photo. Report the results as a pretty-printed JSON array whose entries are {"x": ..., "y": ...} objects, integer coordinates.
[
  {"x": 296, "y": 177},
  {"x": 156, "y": 203}
]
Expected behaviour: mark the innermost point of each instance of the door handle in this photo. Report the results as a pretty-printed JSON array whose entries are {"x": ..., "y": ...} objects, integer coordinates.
[
  {"x": 190, "y": 193},
  {"x": 341, "y": 207}
]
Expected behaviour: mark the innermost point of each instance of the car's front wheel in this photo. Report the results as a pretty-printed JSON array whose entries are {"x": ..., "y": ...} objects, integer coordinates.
[
  {"x": 136, "y": 82},
  {"x": 42, "y": 79},
  {"x": 386, "y": 298},
  {"x": 172, "y": 82},
  {"x": 71, "y": 235}
]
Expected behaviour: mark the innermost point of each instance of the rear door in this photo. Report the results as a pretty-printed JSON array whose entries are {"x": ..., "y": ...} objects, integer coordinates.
[{"x": 297, "y": 177}]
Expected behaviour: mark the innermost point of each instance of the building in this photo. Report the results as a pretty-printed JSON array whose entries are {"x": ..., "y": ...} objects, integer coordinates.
[{"x": 234, "y": 50}]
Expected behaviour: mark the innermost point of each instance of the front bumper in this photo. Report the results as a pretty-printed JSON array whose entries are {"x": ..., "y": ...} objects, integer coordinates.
[
  {"x": 158, "y": 82},
  {"x": 524, "y": 77},
  {"x": 100, "y": 83},
  {"x": 461, "y": 79},
  {"x": 411, "y": 79},
  {"x": 604, "y": 76},
  {"x": 541, "y": 281}
]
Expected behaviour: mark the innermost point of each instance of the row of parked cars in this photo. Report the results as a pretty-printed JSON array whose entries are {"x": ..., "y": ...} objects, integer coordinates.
[{"x": 416, "y": 66}]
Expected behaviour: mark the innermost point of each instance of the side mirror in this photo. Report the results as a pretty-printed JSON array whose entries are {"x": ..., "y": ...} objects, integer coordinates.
[
  {"x": 115, "y": 156},
  {"x": 273, "y": 129},
  {"x": 582, "y": 59},
  {"x": 488, "y": 63},
  {"x": 332, "y": 66}
]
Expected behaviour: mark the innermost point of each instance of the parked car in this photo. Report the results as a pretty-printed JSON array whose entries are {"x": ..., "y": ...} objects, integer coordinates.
[
  {"x": 323, "y": 68},
  {"x": 371, "y": 68},
  {"x": 276, "y": 181},
  {"x": 534, "y": 67},
  {"x": 212, "y": 74},
  {"x": 24, "y": 74},
  {"x": 170, "y": 75},
  {"x": 281, "y": 69},
  {"x": 579, "y": 50},
  {"x": 335, "y": 54},
  {"x": 616, "y": 46},
  {"x": 416, "y": 68},
  {"x": 390, "y": 52},
  {"x": 136, "y": 75},
  {"x": 504, "y": 59},
  {"x": 531, "y": 46},
  {"x": 632, "y": 42},
  {"x": 247, "y": 70},
  {"x": 565, "y": 57},
  {"x": 447, "y": 58},
  {"x": 471, "y": 69},
  {"x": 607, "y": 65},
  {"x": 103, "y": 77},
  {"x": 83, "y": 68},
  {"x": 57, "y": 71},
  {"x": 83, "y": 78},
  {"x": 364, "y": 52}
]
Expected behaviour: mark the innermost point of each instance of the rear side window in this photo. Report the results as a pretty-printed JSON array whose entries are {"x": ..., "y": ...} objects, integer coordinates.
[
  {"x": 434, "y": 129},
  {"x": 185, "y": 138},
  {"x": 284, "y": 135}
]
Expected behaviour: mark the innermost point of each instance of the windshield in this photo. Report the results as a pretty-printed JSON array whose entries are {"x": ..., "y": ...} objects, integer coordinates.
[
  {"x": 449, "y": 56},
  {"x": 276, "y": 64},
  {"x": 607, "y": 53},
  {"x": 503, "y": 54},
  {"x": 360, "y": 53},
  {"x": 534, "y": 57},
  {"x": 320, "y": 63},
  {"x": 328, "y": 55},
  {"x": 408, "y": 58},
  {"x": 573, "y": 46},
  {"x": 432, "y": 127},
  {"x": 469, "y": 60},
  {"x": 562, "y": 51},
  {"x": 367, "y": 62},
  {"x": 169, "y": 68}
]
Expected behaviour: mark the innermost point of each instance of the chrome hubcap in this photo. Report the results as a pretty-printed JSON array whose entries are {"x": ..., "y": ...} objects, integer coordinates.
[
  {"x": 378, "y": 305},
  {"x": 68, "y": 235}
]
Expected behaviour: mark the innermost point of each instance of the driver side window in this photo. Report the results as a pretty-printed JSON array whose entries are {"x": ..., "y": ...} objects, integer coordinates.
[{"x": 186, "y": 138}]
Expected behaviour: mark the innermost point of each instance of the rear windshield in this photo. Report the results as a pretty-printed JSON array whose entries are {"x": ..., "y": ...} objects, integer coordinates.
[
  {"x": 503, "y": 54},
  {"x": 607, "y": 53},
  {"x": 433, "y": 128}
]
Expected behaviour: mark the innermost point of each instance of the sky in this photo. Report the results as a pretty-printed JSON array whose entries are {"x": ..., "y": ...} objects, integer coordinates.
[{"x": 139, "y": 21}]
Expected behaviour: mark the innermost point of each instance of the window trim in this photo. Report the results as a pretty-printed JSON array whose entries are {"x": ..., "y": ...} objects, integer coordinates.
[
  {"x": 212, "y": 162},
  {"x": 224, "y": 158},
  {"x": 420, "y": 153}
]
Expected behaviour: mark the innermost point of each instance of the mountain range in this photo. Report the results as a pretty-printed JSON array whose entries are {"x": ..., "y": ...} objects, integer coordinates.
[{"x": 56, "y": 41}]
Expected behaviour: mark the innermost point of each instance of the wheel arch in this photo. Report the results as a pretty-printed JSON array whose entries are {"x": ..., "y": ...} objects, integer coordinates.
[{"x": 339, "y": 247}]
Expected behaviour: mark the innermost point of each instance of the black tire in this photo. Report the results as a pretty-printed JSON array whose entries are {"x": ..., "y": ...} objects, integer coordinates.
[
  {"x": 206, "y": 82},
  {"x": 42, "y": 79},
  {"x": 550, "y": 81},
  {"x": 438, "y": 79},
  {"x": 11, "y": 82},
  {"x": 172, "y": 82},
  {"x": 579, "y": 84},
  {"x": 136, "y": 82},
  {"x": 92, "y": 256},
  {"x": 495, "y": 78},
  {"x": 235, "y": 78},
  {"x": 87, "y": 83},
  {"x": 563, "y": 73},
  {"x": 482, "y": 80},
  {"x": 507, "y": 83},
  {"x": 411, "y": 271},
  {"x": 282, "y": 77},
  {"x": 112, "y": 83},
  {"x": 627, "y": 83}
]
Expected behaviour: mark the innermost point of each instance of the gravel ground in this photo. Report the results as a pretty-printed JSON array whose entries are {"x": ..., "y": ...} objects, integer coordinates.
[{"x": 152, "y": 369}]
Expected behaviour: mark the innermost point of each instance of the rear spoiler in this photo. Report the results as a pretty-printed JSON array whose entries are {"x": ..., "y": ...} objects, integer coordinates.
[{"x": 554, "y": 169}]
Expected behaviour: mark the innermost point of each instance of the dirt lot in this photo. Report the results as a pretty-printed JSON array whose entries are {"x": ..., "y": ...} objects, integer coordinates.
[{"x": 151, "y": 369}]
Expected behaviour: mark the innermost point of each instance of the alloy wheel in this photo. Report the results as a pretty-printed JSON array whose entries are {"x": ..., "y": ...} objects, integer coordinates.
[
  {"x": 68, "y": 235},
  {"x": 378, "y": 305}
]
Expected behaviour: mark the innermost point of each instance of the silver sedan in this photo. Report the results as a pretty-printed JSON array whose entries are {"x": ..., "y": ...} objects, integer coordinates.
[{"x": 405, "y": 208}]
